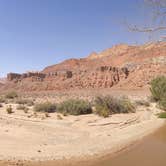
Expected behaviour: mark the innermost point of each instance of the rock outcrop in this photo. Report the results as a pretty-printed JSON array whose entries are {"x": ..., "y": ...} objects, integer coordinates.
[
  {"x": 102, "y": 77},
  {"x": 121, "y": 66},
  {"x": 35, "y": 76},
  {"x": 13, "y": 76}
]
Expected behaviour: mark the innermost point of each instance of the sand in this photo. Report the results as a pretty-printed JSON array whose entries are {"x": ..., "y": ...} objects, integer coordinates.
[{"x": 31, "y": 137}]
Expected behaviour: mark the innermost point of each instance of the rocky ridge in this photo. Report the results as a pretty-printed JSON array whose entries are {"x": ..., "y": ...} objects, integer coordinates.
[{"x": 121, "y": 66}]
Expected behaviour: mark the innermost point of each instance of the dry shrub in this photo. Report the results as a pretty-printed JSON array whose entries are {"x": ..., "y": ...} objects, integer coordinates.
[
  {"x": 45, "y": 107},
  {"x": 11, "y": 95},
  {"x": 9, "y": 109},
  {"x": 107, "y": 105},
  {"x": 75, "y": 107},
  {"x": 27, "y": 102}
]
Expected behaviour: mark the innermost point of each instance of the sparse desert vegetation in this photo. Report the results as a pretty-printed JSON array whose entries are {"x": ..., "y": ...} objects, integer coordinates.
[
  {"x": 9, "y": 109},
  {"x": 162, "y": 104},
  {"x": 65, "y": 117},
  {"x": 158, "y": 90},
  {"x": 27, "y": 102},
  {"x": 11, "y": 95},
  {"x": 162, "y": 115},
  {"x": 74, "y": 107},
  {"x": 108, "y": 105},
  {"x": 90, "y": 118},
  {"x": 45, "y": 107},
  {"x": 142, "y": 103},
  {"x": 22, "y": 107}
]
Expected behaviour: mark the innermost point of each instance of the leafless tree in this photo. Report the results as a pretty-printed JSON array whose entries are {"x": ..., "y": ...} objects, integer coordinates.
[{"x": 157, "y": 9}]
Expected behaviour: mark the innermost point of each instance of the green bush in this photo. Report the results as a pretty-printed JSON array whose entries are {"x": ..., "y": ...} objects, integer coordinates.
[
  {"x": 25, "y": 102},
  {"x": 162, "y": 104},
  {"x": 11, "y": 95},
  {"x": 158, "y": 90},
  {"x": 107, "y": 105},
  {"x": 75, "y": 107},
  {"x": 45, "y": 107},
  {"x": 162, "y": 115}
]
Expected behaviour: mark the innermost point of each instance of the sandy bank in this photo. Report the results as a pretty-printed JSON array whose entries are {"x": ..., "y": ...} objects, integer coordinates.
[{"x": 33, "y": 138}]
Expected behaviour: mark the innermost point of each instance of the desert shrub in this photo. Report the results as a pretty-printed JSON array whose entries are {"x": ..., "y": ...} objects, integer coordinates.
[
  {"x": 104, "y": 112},
  {"x": 162, "y": 115},
  {"x": 11, "y": 95},
  {"x": 25, "y": 102},
  {"x": 9, "y": 109},
  {"x": 158, "y": 90},
  {"x": 75, "y": 107},
  {"x": 59, "y": 117},
  {"x": 45, "y": 107},
  {"x": 107, "y": 105},
  {"x": 126, "y": 105},
  {"x": 162, "y": 104},
  {"x": 142, "y": 103},
  {"x": 47, "y": 114},
  {"x": 1, "y": 105},
  {"x": 26, "y": 110},
  {"x": 22, "y": 107}
]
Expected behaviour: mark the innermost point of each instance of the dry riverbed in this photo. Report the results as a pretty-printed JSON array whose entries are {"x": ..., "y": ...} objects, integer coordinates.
[{"x": 35, "y": 137}]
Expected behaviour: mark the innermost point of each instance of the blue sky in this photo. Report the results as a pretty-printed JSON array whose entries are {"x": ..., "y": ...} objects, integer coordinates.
[{"x": 38, "y": 33}]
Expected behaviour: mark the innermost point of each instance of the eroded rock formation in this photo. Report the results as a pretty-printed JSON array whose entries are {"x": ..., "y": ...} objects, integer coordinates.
[
  {"x": 102, "y": 77},
  {"x": 120, "y": 66},
  {"x": 13, "y": 76},
  {"x": 19, "y": 77}
]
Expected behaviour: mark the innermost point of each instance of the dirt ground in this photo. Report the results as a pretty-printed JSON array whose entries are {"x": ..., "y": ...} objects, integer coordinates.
[{"x": 27, "y": 136}]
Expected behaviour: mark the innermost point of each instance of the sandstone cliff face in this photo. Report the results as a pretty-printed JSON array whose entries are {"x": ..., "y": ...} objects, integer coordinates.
[
  {"x": 13, "y": 76},
  {"x": 122, "y": 66},
  {"x": 35, "y": 76},
  {"x": 102, "y": 77},
  {"x": 143, "y": 74}
]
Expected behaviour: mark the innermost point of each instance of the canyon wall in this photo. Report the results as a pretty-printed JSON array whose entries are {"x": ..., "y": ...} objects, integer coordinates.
[
  {"x": 102, "y": 77},
  {"x": 121, "y": 66}
]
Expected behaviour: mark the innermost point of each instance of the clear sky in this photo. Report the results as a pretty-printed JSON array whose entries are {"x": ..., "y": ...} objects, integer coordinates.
[{"x": 38, "y": 33}]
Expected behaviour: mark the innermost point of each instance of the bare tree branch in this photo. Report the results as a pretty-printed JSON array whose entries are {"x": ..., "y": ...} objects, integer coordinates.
[
  {"x": 157, "y": 24},
  {"x": 136, "y": 29}
]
